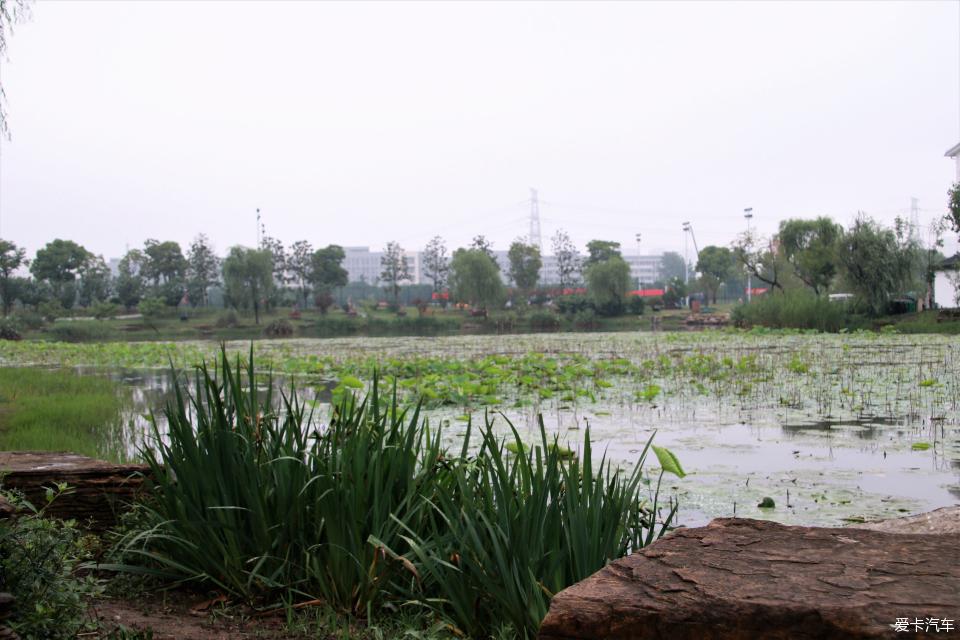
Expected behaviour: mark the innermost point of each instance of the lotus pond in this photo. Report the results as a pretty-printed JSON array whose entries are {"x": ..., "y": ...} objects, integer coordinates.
[{"x": 832, "y": 428}]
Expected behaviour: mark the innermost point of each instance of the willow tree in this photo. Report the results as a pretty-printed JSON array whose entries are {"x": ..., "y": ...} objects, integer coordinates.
[{"x": 248, "y": 278}]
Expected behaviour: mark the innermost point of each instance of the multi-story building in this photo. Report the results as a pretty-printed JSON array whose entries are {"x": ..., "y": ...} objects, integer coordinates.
[
  {"x": 363, "y": 265},
  {"x": 645, "y": 269}
]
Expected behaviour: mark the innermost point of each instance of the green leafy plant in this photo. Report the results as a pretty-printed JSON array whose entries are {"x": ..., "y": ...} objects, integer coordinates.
[{"x": 39, "y": 558}]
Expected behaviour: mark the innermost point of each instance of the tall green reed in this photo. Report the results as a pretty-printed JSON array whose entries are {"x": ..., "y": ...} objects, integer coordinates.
[{"x": 255, "y": 496}]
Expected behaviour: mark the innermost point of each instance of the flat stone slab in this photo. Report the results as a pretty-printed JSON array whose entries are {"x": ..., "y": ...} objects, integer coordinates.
[
  {"x": 942, "y": 520},
  {"x": 97, "y": 489},
  {"x": 746, "y": 579}
]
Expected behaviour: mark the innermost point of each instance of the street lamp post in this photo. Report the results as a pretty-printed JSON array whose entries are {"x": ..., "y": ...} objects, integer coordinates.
[
  {"x": 639, "y": 276},
  {"x": 748, "y": 214}
]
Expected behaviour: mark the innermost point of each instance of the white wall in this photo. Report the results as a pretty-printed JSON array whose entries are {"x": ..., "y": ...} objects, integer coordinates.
[{"x": 943, "y": 289}]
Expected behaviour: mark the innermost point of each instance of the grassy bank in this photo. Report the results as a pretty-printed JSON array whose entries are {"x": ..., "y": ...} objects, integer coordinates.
[
  {"x": 57, "y": 411},
  {"x": 803, "y": 310},
  {"x": 220, "y": 324}
]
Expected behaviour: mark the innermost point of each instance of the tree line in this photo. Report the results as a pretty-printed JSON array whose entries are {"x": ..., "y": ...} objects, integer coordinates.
[
  {"x": 64, "y": 275},
  {"x": 870, "y": 260},
  {"x": 874, "y": 262}
]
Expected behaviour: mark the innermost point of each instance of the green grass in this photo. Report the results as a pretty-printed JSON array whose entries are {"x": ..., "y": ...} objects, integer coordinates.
[
  {"x": 57, "y": 411},
  {"x": 923, "y": 322},
  {"x": 797, "y": 310}
]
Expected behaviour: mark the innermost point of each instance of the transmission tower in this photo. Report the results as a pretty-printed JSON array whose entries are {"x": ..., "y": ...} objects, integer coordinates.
[{"x": 535, "y": 238}]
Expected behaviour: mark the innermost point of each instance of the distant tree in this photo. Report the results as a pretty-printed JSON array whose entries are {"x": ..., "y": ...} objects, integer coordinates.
[
  {"x": 568, "y": 259},
  {"x": 203, "y": 270},
  {"x": 953, "y": 207},
  {"x": 11, "y": 13},
  {"x": 810, "y": 246},
  {"x": 759, "y": 256},
  {"x": 32, "y": 293},
  {"x": 475, "y": 278},
  {"x": 12, "y": 258},
  {"x": 675, "y": 292},
  {"x": 58, "y": 264},
  {"x": 248, "y": 278},
  {"x": 394, "y": 270},
  {"x": 608, "y": 282},
  {"x": 436, "y": 265},
  {"x": 672, "y": 265},
  {"x": 151, "y": 309},
  {"x": 94, "y": 279},
  {"x": 715, "y": 265},
  {"x": 931, "y": 257},
  {"x": 326, "y": 274},
  {"x": 130, "y": 281},
  {"x": 877, "y": 263},
  {"x": 601, "y": 251},
  {"x": 166, "y": 269},
  {"x": 300, "y": 267},
  {"x": 525, "y": 265},
  {"x": 480, "y": 243},
  {"x": 278, "y": 259},
  {"x": 165, "y": 263}
]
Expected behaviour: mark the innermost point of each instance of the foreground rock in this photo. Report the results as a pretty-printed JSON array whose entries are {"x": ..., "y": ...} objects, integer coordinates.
[
  {"x": 938, "y": 521},
  {"x": 98, "y": 490},
  {"x": 745, "y": 579}
]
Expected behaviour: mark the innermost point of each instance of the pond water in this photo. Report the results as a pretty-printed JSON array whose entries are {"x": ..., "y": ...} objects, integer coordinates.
[{"x": 834, "y": 428}]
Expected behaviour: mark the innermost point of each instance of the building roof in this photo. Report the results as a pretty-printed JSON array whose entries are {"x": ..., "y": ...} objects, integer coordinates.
[
  {"x": 953, "y": 151},
  {"x": 952, "y": 262}
]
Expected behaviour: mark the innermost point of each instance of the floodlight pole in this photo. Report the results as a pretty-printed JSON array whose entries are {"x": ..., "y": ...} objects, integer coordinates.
[
  {"x": 748, "y": 214},
  {"x": 639, "y": 277}
]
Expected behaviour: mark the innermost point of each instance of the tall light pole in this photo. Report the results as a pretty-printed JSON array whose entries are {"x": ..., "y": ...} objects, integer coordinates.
[
  {"x": 257, "y": 246},
  {"x": 639, "y": 277},
  {"x": 689, "y": 229},
  {"x": 748, "y": 214},
  {"x": 686, "y": 259}
]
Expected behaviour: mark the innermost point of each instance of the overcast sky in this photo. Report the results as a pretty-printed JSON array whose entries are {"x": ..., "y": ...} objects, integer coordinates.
[{"x": 361, "y": 123}]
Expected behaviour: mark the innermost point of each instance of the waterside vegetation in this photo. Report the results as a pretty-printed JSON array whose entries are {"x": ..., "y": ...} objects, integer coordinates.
[{"x": 371, "y": 511}]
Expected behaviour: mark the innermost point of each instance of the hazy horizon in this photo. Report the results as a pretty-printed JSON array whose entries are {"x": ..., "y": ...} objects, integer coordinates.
[{"x": 358, "y": 124}]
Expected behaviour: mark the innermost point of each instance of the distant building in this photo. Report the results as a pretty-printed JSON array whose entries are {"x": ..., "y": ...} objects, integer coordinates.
[
  {"x": 944, "y": 289},
  {"x": 363, "y": 265},
  {"x": 644, "y": 269},
  {"x": 954, "y": 152}
]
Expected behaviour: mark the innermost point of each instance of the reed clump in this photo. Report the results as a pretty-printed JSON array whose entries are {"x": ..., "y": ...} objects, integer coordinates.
[{"x": 255, "y": 496}]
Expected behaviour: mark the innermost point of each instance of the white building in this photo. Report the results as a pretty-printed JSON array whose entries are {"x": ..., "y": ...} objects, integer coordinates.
[
  {"x": 944, "y": 283},
  {"x": 645, "y": 269},
  {"x": 363, "y": 265},
  {"x": 954, "y": 152}
]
